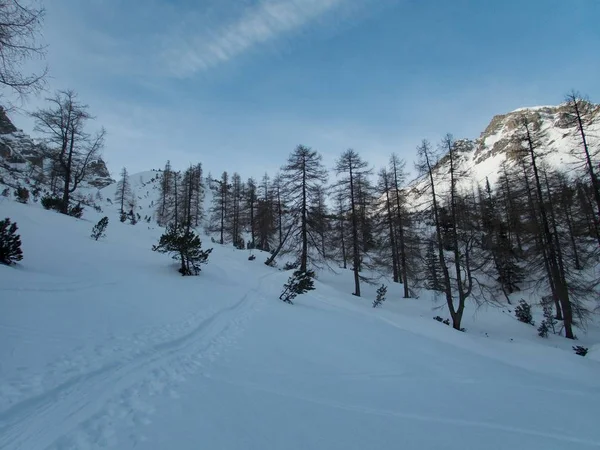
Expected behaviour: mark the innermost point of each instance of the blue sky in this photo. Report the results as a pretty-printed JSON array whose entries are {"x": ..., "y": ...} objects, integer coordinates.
[{"x": 237, "y": 84}]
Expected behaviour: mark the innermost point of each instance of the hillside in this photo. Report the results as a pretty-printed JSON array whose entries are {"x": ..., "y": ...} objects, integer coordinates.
[
  {"x": 23, "y": 162},
  {"x": 481, "y": 158},
  {"x": 104, "y": 345}
]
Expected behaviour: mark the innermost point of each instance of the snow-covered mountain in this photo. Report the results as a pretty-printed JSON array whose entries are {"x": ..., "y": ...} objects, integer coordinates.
[
  {"x": 21, "y": 160},
  {"x": 145, "y": 189},
  {"x": 481, "y": 158}
]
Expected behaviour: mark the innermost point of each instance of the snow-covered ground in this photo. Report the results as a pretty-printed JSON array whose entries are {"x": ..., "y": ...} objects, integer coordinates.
[{"x": 104, "y": 345}]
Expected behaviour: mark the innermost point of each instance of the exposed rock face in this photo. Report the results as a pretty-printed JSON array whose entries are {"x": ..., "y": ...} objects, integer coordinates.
[
  {"x": 6, "y": 126},
  {"x": 560, "y": 135},
  {"x": 481, "y": 158},
  {"x": 19, "y": 153}
]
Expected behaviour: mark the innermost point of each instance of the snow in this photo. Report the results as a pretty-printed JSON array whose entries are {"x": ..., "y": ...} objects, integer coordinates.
[
  {"x": 104, "y": 345},
  {"x": 533, "y": 108}
]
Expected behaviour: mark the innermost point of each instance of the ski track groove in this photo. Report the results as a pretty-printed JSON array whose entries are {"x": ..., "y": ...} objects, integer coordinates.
[{"x": 80, "y": 412}]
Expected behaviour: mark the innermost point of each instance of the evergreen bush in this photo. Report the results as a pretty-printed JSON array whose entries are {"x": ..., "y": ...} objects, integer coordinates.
[
  {"x": 299, "y": 283},
  {"x": 10, "y": 243}
]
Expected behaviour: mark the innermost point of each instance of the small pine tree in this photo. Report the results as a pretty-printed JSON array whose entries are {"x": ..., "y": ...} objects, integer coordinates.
[
  {"x": 549, "y": 322},
  {"x": 523, "y": 313},
  {"x": 10, "y": 243},
  {"x": 51, "y": 202},
  {"x": 381, "y": 293},
  {"x": 132, "y": 218},
  {"x": 99, "y": 229},
  {"x": 22, "y": 195},
  {"x": 185, "y": 246},
  {"x": 76, "y": 211},
  {"x": 543, "y": 329},
  {"x": 123, "y": 193},
  {"x": 299, "y": 283}
]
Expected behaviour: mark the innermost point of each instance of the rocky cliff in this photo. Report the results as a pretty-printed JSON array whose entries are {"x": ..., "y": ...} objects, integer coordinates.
[
  {"x": 482, "y": 157},
  {"x": 22, "y": 158}
]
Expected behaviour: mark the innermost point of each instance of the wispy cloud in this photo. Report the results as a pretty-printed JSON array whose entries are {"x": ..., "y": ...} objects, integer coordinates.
[{"x": 264, "y": 22}]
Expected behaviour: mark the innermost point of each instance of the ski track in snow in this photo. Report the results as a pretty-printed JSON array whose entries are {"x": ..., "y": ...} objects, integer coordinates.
[{"x": 86, "y": 409}]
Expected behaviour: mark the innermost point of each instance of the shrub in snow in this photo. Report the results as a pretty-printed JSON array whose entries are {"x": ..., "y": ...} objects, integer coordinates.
[
  {"x": 99, "y": 229},
  {"x": 36, "y": 193},
  {"x": 381, "y": 293},
  {"x": 10, "y": 243},
  {"x": 549, "y": 322},
  {"x": 523, "y": 313},
  {"x": 6, "y": 192},
  {"x": 76, "y": 211},
  {"x": 131, "y": 217},
  {"x": 444, "y": 321},
  {"x": 22, "y": 195},
  {"x": 299, "y": 283},
  {"x": 51, "y": 202},
  {"x": 543, "y": 329},
  {"x": 579, "y": 350},
  {"x": 251, "y": 258},
  {"x": 291, "y": 265},
  {"x": 184, "y": 245}
]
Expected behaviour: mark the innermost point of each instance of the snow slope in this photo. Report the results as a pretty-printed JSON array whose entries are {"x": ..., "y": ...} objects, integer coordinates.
[{"x": 104, "y": 345}]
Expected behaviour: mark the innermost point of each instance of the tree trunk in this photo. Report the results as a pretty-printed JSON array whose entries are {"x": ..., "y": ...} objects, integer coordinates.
[
  {"x": 457, "y": 315},
  {"x": 304, "y": 231},
  {"x": 392, "y": 235},
  {"x": 401, "y": 241},
  {"x": 355, "y": 242},
  {"x": 439, "y": 243},
  {"x": 68, "y": 167}
]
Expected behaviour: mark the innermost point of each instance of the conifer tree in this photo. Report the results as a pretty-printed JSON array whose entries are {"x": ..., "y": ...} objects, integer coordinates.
[
  {"x": 265, "y": 215},
  {"x": 397, "y": 178},
  {"x": 164, "y": 211},
  {"x": 220, "y": 208},
  {"x": 236, "y": 220},
  {"x": 185, "y": 246},
  {"x": 341, "y": 226},
  {"x": 579, "y": 113},
  {"x": 531, "y": 146},
  {"x": 250, "y": 206},
  {"x": 99, "y": 229},
  {"x": 123, "y": 194},
  {"x": 299, "y": 283},
  {"x": 278, "y": 206},
  {"x": 302, "y": 175},
  {"x": 352, "y": 184},
  {"x": 433, "y": 272},
  {"x": 387, "y": 222},
  {"x": 10, "y": 243}
]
